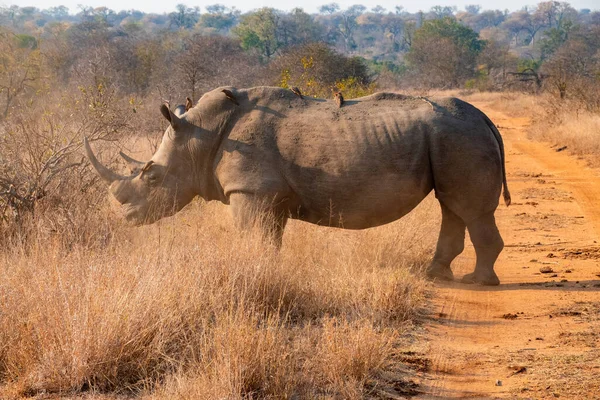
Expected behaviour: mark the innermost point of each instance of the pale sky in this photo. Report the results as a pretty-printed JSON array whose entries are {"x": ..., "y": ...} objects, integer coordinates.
[{"x": 309, "y": 6}]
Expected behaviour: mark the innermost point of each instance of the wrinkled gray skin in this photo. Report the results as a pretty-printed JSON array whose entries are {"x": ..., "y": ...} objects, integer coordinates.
[{"x": 364, "y": 165}]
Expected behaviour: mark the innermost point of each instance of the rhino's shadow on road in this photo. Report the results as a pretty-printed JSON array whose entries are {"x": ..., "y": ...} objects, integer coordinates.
[{"x": 571, "y": 286}]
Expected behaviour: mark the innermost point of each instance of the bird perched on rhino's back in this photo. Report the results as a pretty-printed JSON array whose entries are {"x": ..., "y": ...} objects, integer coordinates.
[
  {"x": 230, "y": 96},
  {"x": 296, "y": 91},
  {"x": 365, "y": 167},
  {"x": 339, "y": 98}
]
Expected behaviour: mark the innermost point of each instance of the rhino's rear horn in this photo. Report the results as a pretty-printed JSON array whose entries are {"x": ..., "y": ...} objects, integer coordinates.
[
  {"x": 134, "y": 165},
  {"x": 104, "y": 172}
]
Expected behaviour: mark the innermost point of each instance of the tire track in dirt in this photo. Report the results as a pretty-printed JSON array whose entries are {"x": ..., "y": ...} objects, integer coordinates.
[{"x": 481, "y": 335}]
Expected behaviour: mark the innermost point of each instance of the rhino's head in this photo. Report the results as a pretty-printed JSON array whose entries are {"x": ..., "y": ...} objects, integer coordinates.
[{"x": 169, "y": 180}]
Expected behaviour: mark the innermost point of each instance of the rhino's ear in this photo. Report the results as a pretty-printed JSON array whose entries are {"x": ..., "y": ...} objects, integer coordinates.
[{"x": 170, "y": 116}]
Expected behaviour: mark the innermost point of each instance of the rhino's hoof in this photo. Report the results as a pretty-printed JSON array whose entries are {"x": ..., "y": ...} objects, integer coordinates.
[
  {"x": 481, "y": 279},
  {"x": 440, "y": 272}
]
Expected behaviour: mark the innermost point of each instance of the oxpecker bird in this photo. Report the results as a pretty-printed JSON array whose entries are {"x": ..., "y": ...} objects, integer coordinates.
[
  {"x": 230, "y": 96},
  {"x": 339, "y": 99},
  {"x": 296, "y": 91}
]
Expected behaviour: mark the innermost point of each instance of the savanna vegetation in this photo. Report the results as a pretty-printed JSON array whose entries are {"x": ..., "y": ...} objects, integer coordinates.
[{"x": 186, "y": 308}]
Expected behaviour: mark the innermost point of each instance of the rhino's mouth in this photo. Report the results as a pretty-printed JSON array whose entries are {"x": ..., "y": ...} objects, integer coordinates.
[{"x": 132, "y": 214}]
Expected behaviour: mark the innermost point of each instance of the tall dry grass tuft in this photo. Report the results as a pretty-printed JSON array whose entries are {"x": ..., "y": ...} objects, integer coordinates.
[
  {"x": 191, "y": 308},
  {"x": 567, "y": 124}
]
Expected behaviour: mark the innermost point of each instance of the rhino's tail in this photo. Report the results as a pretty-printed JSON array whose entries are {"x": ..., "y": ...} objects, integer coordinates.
[{"x": 506, "y": 193}]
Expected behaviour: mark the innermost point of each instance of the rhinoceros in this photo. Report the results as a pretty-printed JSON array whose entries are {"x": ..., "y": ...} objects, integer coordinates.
[{"x": 265, "y": 151}]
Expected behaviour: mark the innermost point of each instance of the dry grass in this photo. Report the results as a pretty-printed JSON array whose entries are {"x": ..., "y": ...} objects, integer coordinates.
[
  {"x": 515, "y": 104},
  {"x": 578, "y": 130},
  {"x": 560, "y": 122},
  {"x": 188, "y": 308}
]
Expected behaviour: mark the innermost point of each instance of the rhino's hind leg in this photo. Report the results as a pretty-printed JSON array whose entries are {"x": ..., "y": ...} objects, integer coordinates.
[
  {"x": 450, "y": 244},
  {"x": 488, "y": 244},
  {"x": 251, "y": 212}
]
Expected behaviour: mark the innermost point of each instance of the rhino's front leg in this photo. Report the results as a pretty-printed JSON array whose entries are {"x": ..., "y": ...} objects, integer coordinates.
[{"x": 250, "y": 212}]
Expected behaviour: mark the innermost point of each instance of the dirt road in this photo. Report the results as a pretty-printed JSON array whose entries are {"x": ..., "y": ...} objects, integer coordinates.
[{"x": 538, "y": 332}]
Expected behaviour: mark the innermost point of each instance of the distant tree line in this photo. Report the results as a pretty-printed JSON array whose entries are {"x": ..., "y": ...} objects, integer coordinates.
[{"x": 190, "y": 51}]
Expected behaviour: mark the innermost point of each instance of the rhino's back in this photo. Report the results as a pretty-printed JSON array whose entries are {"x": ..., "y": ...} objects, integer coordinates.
[
  {"x": 364, "y": 164},
  {"x": 360, "y": 165}
]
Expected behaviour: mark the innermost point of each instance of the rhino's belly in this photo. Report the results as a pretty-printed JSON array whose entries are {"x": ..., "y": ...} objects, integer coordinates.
[{"x": 363, "y": 204}]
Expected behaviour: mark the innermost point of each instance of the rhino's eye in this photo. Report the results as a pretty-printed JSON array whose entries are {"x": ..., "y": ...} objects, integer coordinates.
[
  {"x": 151, "y": 177},
  {"x": 149, "y": 174}
]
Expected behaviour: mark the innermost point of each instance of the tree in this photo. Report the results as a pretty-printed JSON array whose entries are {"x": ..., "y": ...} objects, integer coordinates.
[
  {"x": 219, "y": 17},
  {"x": 515, "y": 24},
  {"x": 491, "y": 18},
  {"x": 316, "y": 68},
  {"x": 260, "y": 30},
  {"x": 298, "y": 27},
  {"x": 184, "y": 17},
  {"x": 210, "y": 61},
  {"x": 555, "y": 13},
  {"x": 346, "y": 24},
  {"x": 59, "y": 12},
  {"x": 19, "y": 67},
  {"x": 408, "y": 34},
  {"x": 444, "y": 52},
  {"x": 520, "y": 21},
  {"x": 103, "y": 14},
  {"x": 330, "y": 8},
  {"x": 393, "y": 25},
  {"x": 480, "y": 21},
  {"x": 438, "y": 12},
  {"x": 269, "y": 30},
  {"x": 494, "y": 64},
  {"x": 473, "y": 9},
  {"x": 57, "y": 55},
  {"x": 573, "y": 69},
  {"x": 554, "y": 38}
]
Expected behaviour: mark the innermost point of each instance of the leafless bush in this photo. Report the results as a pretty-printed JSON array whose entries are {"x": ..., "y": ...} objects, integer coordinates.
[
  {"x": 207, "y": 62},
  {"x": 572, "y": 72},
  {"x": 40, "y": 154},
  {"x": 19, "y": 69}
]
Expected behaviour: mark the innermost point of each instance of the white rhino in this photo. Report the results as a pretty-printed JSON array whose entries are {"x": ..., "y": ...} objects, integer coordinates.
[{"x": 364, "y": 165}]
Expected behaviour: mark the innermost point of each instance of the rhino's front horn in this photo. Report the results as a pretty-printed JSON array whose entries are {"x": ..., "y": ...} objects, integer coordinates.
[
  {"x": 135, "y": 166},
  {"x": 104, "y": 172}
]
